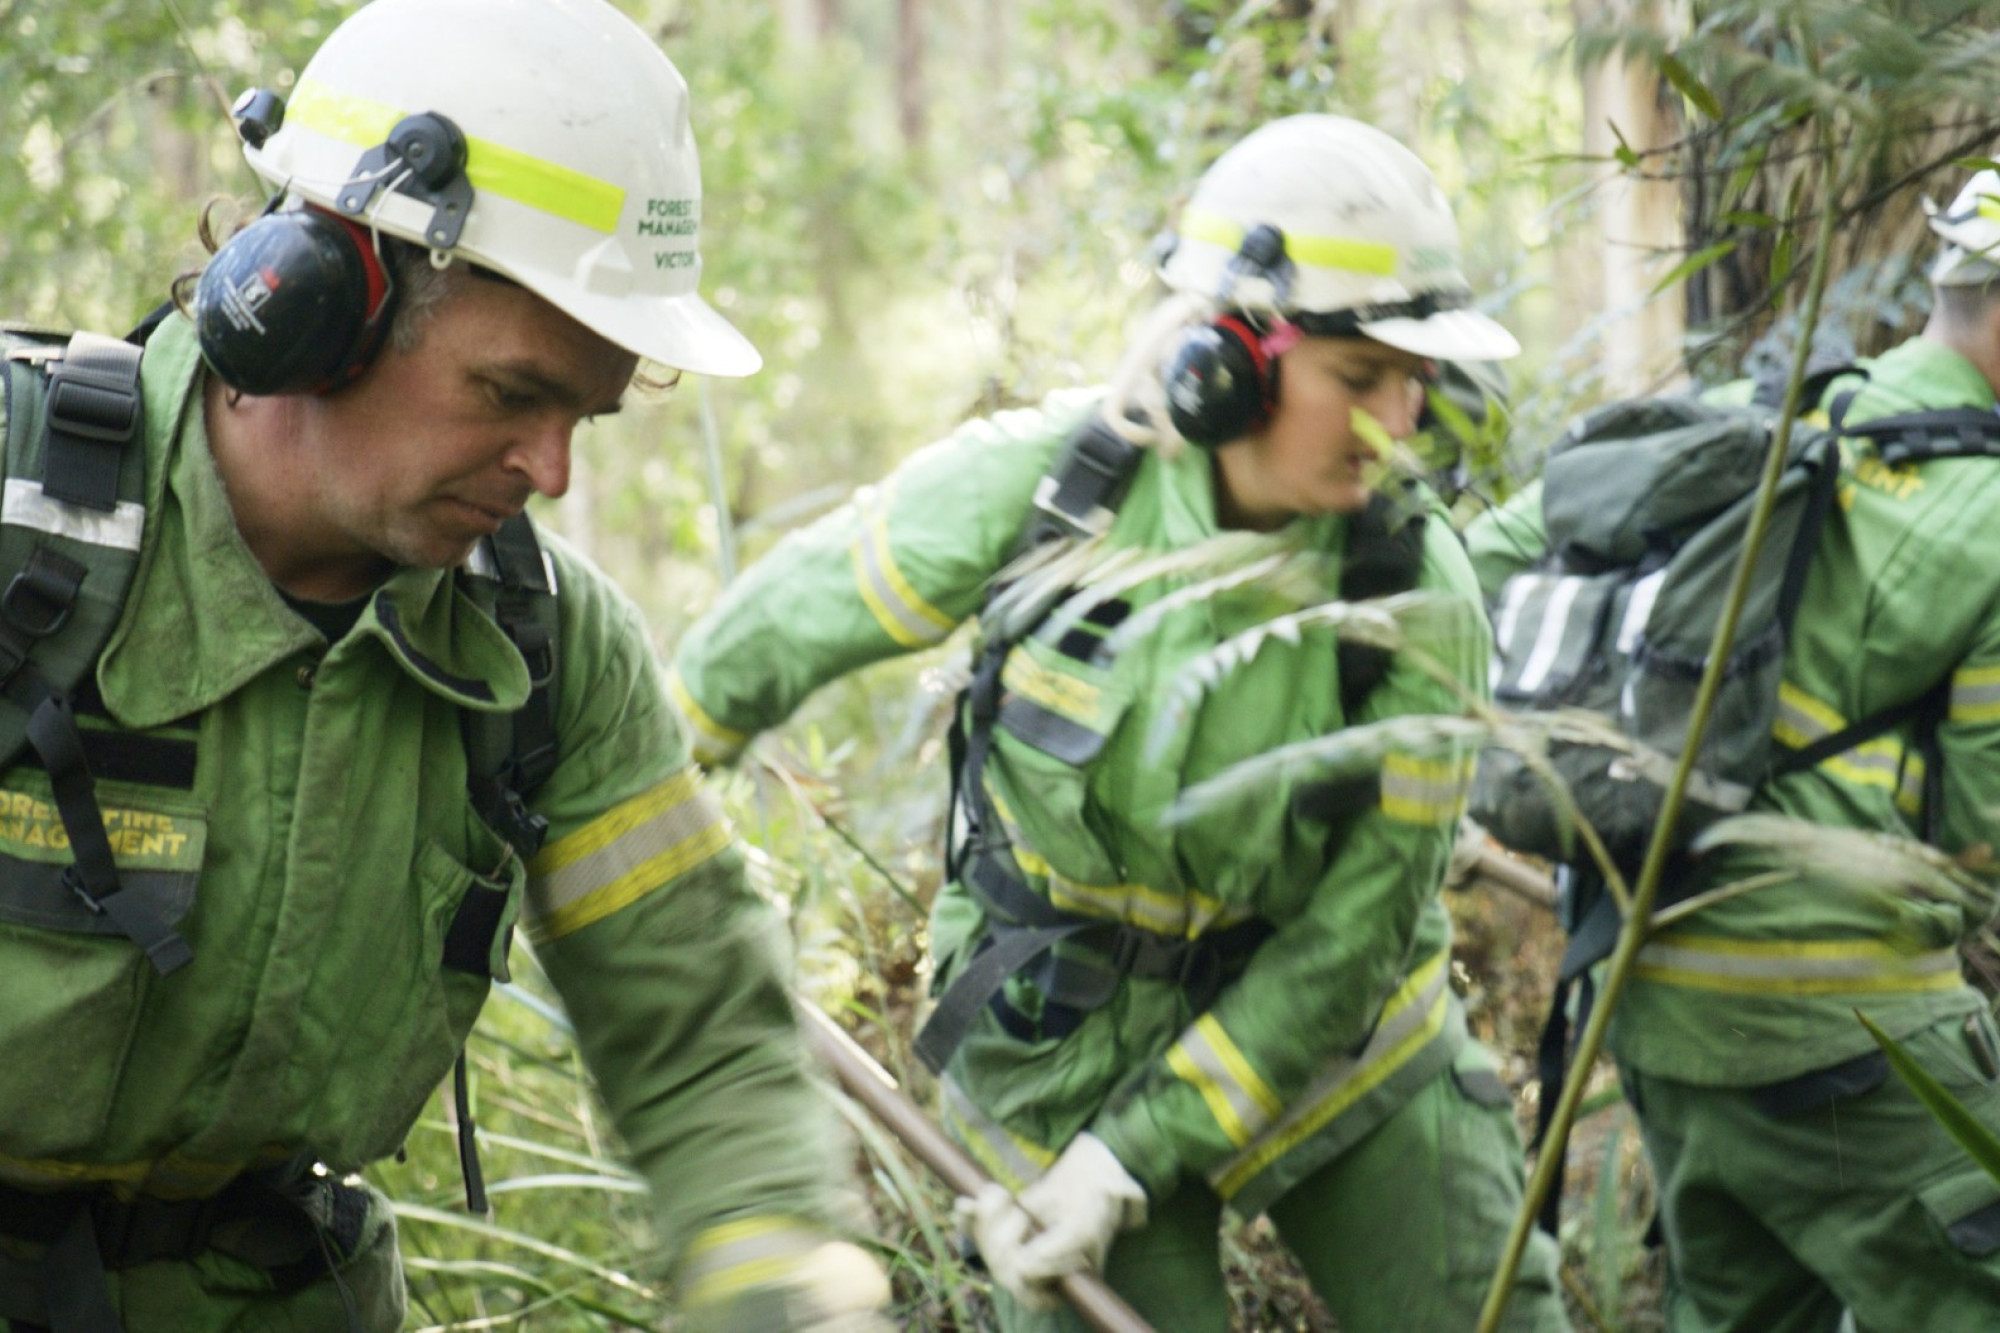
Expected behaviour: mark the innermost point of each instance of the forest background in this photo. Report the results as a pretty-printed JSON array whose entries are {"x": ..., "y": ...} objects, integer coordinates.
[{"x": 923, "y": 210}]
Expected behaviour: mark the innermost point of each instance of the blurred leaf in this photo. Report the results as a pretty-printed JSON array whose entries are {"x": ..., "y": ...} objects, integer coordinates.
[{"x": 1970, "y": 1133}]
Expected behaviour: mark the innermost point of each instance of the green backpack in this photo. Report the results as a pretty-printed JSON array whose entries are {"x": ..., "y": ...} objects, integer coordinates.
[{"x": 1645, "y": 504}]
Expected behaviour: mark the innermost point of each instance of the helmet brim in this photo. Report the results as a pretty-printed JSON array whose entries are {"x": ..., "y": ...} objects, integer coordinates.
[
  {"x": 1448, "y": 335},
  {"x": 683, "y": 332}
]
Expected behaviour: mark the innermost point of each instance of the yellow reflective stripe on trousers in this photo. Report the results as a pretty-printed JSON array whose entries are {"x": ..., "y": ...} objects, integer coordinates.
[
  {"x": 712, "y": 742},
  {"x": 898, "y": 608},
  {"x": 1334, "y": 252},
  {"x": 1883, "y": 763},
  {"x": 727, "y": 1260},
  {"x": 492, "y": 168},
  {"x": 1795, "y": 967},
  {"x": 1975, "y": 693},
  {"x": 1424, "y": 791},
  {"x": 1007, "y": 1157},
  {"x": 1208, "y": 1060},
  {"x": 1411, "y": 1019},
  {"x": 623, "y": 855}
]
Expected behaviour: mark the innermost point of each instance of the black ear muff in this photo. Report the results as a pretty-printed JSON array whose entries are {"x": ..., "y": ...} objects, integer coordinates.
[
  {"x": 296, "y": 302},
  {"x": 1222, "y": 380}
]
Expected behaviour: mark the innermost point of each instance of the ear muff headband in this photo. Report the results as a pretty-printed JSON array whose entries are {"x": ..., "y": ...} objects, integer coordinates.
[
  {"x": 296, "y": 302},
  {"x": 1222, "y": 379}
]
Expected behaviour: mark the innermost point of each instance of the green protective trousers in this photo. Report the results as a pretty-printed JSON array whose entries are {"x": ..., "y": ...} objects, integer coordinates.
[
  {"x": 1399, "y": 1234},
  {"x": 1778, "y": 1216}
]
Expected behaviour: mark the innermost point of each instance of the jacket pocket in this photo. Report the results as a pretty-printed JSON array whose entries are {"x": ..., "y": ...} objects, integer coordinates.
[
  {"x": 1966, "y": 1207},
  {"x": 74, "y": 987}
]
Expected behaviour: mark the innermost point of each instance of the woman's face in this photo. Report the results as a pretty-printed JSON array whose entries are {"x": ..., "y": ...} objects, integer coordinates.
[{"x": 1340, "y": 401}]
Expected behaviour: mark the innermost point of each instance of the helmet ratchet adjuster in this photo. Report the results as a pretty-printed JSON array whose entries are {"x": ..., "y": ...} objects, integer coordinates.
[{"x": 423, "y": 157}]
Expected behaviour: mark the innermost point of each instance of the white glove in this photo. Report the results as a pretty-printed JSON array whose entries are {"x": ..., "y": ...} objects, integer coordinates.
[{"x": 1081, "y": 1204}]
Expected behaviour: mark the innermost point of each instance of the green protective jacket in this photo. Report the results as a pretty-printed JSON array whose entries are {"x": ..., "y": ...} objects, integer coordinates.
[
  {"x": 1903, "y": 592},
  {"x": 1343, "y": 1011},
  {"x": 319, "y": 855}
]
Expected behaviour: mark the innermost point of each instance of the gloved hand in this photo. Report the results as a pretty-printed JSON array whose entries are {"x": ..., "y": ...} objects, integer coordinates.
[
  {"x": 833, "y": 1287},
  {"x": 1081, "y": 1203}
]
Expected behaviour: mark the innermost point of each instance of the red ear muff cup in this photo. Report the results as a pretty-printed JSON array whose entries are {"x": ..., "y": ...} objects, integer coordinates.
[
  {"x": 1220, "y": 383},
  {"x": 296, "y": 302}
]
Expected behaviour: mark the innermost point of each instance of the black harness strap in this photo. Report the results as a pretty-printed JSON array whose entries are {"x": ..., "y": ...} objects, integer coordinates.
[
  {"x": 93, "y": 877},
  {"x": 94, "y": 412}
]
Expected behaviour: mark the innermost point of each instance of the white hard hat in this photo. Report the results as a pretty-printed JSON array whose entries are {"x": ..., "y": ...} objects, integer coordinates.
[
  {"x": 1971, "y": 232},
  {"x": 1368, "y": 242},
  {"x": 585, "y": 184}
]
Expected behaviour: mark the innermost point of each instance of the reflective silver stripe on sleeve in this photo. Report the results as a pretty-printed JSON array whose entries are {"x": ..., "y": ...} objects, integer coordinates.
[
  {"x": 631, "y": 850},
  {"x": 897, "y": 606},
  {"x": 1639, "y": 609},
  {"x": 1008, "y": 1158},
  {"x": 726, "y": 1260},
  {"x": 24, "y": 504},
  {"x": 1206, "y": 1059},
  {"x": 1412, "y": 1017}
]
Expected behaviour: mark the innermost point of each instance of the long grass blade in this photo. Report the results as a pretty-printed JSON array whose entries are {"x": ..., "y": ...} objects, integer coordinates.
[{"x": 1947, "y": 1110}]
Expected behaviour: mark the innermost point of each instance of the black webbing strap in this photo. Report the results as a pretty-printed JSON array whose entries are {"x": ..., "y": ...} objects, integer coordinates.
[
  {"x": 1003, "y": 953},
  {"x": 1084, "y": 485},
  {"x": 36, "y": 604},
  {"x": 93, "y": 876},
  {"x": 94, "y": 411},
  {"x": 468, "y": 1143},
  {"x": 1916, "y": 437},
  {"x": 501, "y": 791}
]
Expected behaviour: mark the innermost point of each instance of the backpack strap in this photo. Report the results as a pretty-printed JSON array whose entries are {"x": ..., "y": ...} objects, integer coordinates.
[
  {"x": 510, "y": 755},
  {"x": 73, "y": 516},
  {"x": 507, "y": 757},
  {"x": 1918, "y": 437}
]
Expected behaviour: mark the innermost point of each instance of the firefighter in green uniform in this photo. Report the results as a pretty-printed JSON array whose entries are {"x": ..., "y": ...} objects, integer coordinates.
[
  {"x": 1252, "y": 1008},
  {"x": 288, "y": 691},
  {"x": 1797, "y": 1176}
]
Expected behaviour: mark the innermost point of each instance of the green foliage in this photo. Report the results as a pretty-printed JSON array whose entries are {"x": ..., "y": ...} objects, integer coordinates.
[{"x": 1979, "y": 1142}]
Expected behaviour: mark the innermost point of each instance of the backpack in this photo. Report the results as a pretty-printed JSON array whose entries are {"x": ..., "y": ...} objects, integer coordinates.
[
  {"x": 1645, "y": 503},
  {"x": 70, "y": 530}
]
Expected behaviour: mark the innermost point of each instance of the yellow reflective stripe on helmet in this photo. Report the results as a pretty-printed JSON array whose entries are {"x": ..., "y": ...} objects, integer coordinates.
[
  {"x": 1334, "y": 252},
  {"x": 1424, "y": 791},
  {"x": 898, "y": 608},
  {"x": 492, "y": 168},
  {"x": 724, "y": 1261},
  {"x": 1007, "y": 1157},
  {"x": 712, "y": 742},
  {"x": 1795, "y": 967},
  {"x": 1412, "y": 1018},
  {"x": 1975, "y": 694},
  {"x": 1206, "y": 1059},
  {"x": 623, "y": 855}
]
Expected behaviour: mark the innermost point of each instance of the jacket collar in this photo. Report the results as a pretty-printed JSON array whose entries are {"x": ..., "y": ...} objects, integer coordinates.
[{"x": 203, "y": 620}]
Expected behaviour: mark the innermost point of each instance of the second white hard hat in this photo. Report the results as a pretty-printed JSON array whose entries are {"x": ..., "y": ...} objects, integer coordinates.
[{"x": 1368, "y": 239}]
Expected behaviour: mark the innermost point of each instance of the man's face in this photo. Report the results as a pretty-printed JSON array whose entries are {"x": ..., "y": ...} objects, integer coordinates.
[{"x": 436, "y": 445}]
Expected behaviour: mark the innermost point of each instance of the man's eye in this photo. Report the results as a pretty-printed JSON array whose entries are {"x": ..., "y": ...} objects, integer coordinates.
[{"x": 509, "y": 400}]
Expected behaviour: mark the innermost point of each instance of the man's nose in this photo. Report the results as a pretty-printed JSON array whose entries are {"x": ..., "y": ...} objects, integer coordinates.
[{"x": 543, "y": 456}]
